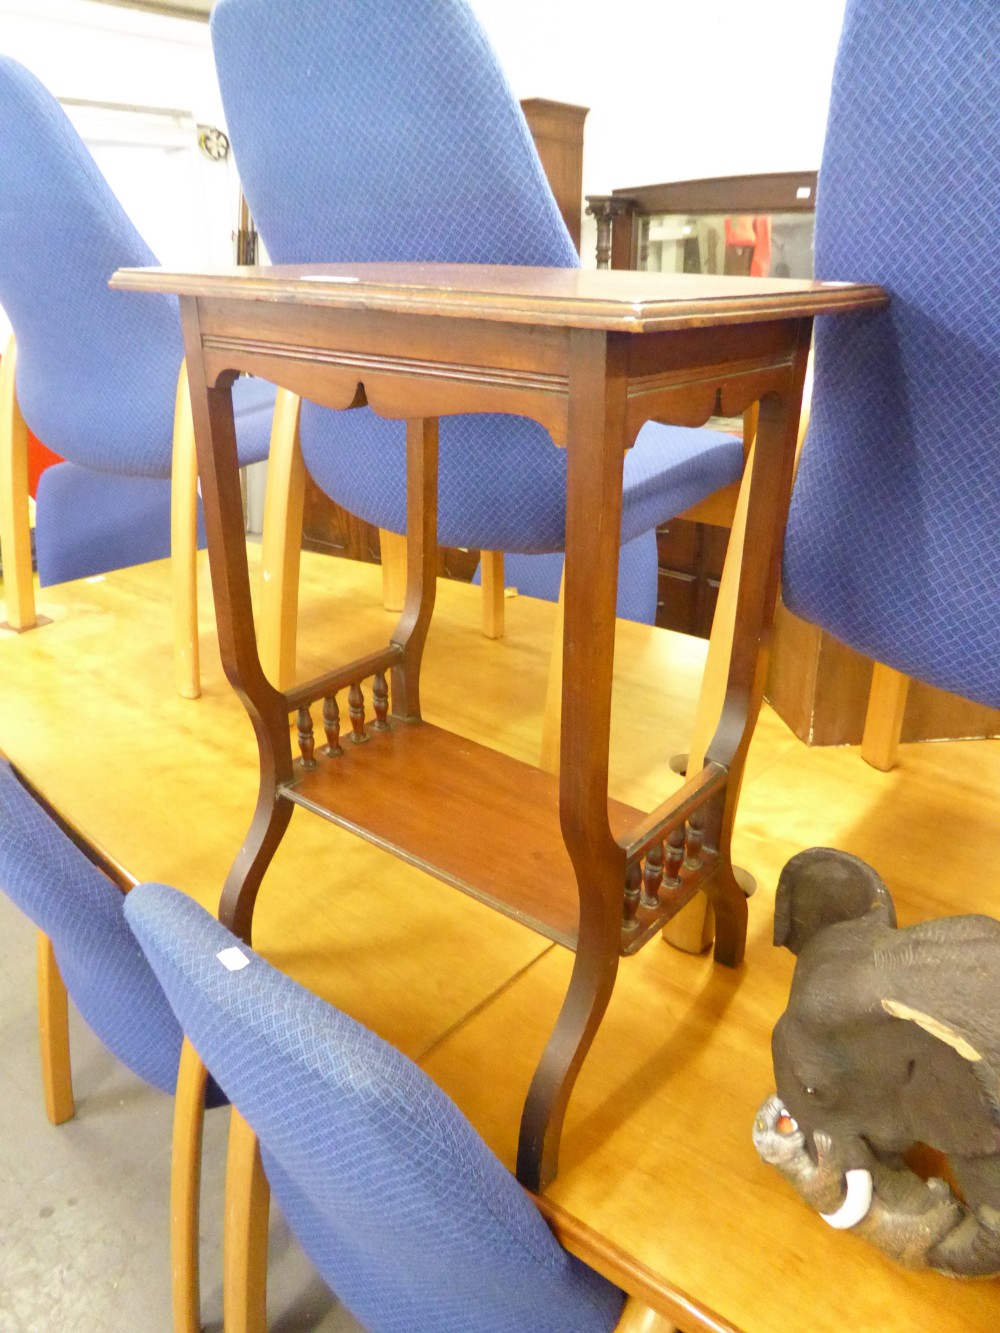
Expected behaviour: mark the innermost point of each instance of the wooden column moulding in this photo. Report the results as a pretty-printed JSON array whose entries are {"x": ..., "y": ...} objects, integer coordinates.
[{"x": 604, "y": 208}]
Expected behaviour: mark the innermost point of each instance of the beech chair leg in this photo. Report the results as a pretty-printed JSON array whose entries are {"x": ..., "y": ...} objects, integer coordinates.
[
  {"x": 884, "y": 718},
  {"x": 281, "y": 543},
  {"x": 53, "y": 1035},
  {"x": 491, "y": 572},
  {"x": 248, "y": 1198},
  {"x": 393, "y": 548},
  {"x": 185, "y": 1189},
  {"x": 15, "y": 528},
  {"x": 184, "y": 544},
  {"x": 637, "y": 1317},
  {"x": 693, "y": 928}
]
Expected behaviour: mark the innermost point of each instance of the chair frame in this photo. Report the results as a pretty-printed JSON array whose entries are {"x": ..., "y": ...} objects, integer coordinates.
[
  {"x": 884, "y": 717},
  {"x": 188, "y": 1132},
  {"x": 53, "y": 1035},
  {"x": 392, "y": 546},
  {"x": 15, "y": 530},
  {"x": 189, "y": 1097}
]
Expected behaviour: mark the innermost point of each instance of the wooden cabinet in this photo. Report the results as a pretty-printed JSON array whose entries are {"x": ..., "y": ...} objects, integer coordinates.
[
  {"x": 689, "y": 559},
  {"x": 557, "y": 129},
  {"x": 332, "y": 530}
]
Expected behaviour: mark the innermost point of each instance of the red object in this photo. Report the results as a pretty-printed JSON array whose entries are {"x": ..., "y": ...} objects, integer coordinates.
[
  {"x": 755, "y": 231},
  {"x": 40, "y": 456}
]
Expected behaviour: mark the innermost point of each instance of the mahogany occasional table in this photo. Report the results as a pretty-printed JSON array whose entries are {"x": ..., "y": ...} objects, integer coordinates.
[{"x": 591, "y": 356}]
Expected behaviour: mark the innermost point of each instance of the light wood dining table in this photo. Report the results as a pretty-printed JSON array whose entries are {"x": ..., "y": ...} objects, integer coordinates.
[{"x": 659, "y": 1187}]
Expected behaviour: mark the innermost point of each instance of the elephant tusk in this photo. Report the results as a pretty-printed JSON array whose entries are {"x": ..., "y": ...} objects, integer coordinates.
[{"x": 856, "y": 1202}]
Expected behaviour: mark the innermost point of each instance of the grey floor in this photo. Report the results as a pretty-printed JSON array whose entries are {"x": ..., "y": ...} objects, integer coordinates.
[{"x": 83, "y": 1207}]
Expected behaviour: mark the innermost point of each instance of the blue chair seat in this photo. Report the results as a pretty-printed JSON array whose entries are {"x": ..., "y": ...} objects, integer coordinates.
[{"x": 91, "y": 522}]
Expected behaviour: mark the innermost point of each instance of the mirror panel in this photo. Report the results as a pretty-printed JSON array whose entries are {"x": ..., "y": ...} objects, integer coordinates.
[{"x": 775, "y": 245}]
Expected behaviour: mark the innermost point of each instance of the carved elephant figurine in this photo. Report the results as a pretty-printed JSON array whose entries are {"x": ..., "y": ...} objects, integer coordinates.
[{"x": 891, "y": 1038}]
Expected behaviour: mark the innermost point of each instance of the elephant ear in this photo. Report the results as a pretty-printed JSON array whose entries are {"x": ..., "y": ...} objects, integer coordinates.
[
  {"x": 944, "y": 975},
  {"x": 822, "y": 886}
]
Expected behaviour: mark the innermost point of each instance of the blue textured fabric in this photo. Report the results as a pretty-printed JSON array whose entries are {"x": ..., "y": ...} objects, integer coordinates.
[
  {"x": 892, "y": 537},
  {"x": 81, "y": 911},
  {"x": 411, "y": 1219},
  {"x": 385, "y": 130},
  {"x": 90, "y": 522},
  {"x": 97, "y": 369},
  {"x": 540, "y": 576},
  {"x": 95, "y": 522}
]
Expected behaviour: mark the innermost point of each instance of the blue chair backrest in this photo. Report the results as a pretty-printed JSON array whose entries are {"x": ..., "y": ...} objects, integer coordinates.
[
  {"x": 402, "y": 1207},
  {"x": 892, "y": 538},
  {"x": 82, "y": 912},
  {"x": 97, "y": 370},
  {"x": 398, "y": 118},
  {"x": 385, "y": 130}
]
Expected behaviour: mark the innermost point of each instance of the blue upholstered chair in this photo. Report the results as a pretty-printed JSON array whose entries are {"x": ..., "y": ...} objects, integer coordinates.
[
  {"x": 892, "y": 541},
  {"x": 96, "y": 375},
  {"x": 85, "y": 948},
  {"x": 405, "y": 1211},
  {"x": 384, "y": 130}
]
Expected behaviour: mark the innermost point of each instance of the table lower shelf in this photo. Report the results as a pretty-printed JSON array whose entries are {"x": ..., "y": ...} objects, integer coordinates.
[{"x": 477, "y": 819}]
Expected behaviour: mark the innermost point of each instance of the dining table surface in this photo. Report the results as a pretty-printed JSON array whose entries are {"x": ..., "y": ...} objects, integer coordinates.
[{"x": 659, "y": 1184}]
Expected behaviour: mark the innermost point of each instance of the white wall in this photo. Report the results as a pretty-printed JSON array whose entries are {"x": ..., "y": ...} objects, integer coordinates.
[
  {"x": 183, "y": 203},
  {"x": 677, "y": 89},
  {"x": 82, "y": 49}
]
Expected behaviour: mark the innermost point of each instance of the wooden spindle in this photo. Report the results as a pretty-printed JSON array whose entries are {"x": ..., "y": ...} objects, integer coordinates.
[
  {"x": 307, "y": 745},
  {"x": 633, "y": 880},
  {"x": 652, "y": 876},
  {"x": 356, "y": 708},
  {"x": 692, "y": 846},
  {"x": 331, "y": 725},
  {"x": 675, "y": 856},
  {"x": 380, "y": 702}
]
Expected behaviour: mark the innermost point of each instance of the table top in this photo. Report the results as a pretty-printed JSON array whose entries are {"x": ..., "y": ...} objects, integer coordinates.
[
  {"x": 659, "y": 1184},
  {"x": 625, "y": 301}
]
